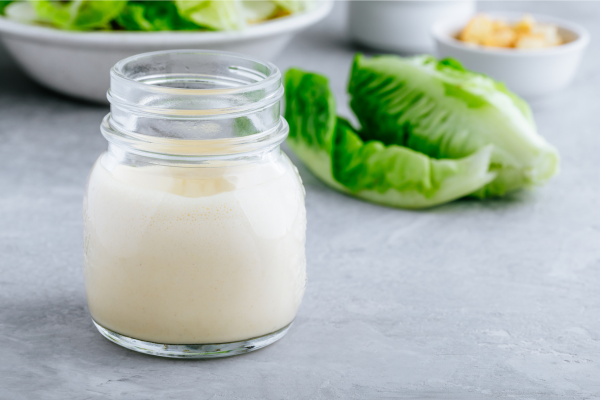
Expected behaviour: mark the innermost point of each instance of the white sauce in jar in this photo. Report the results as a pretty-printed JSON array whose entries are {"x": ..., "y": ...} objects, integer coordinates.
[{"x": 195, "y": 255}]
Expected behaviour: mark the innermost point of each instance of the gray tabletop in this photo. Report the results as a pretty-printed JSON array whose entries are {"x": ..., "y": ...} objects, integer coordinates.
[{"x": 474, "y": 299}]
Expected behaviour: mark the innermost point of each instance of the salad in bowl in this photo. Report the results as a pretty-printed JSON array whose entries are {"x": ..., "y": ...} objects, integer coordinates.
[
  {"x": 70, "y": 46},
  {"x": 177, "y": 15}
]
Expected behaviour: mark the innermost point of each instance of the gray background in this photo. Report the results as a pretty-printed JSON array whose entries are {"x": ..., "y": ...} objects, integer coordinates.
[{"x": 474, "y": 299}]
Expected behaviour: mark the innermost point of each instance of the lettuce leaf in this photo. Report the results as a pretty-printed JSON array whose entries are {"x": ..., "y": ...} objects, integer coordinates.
[
  {"x": 213, "y": 14},
  {"x": 398, "y": 176},
  {"x": 3, "y": 4},
  {"x": 78, "y": 14},
  {"x": 444, "y": 111},
  {"x": 388, "y": 174},
  {"x": 153, "y": 16},
  {"x": 310, "y": 113}
]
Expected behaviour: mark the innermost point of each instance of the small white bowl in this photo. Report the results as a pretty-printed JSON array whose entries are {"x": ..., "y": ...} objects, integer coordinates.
[
  {"x": 529, "y": 73},
  {"x": 78, "y": 63},
  {"x": 401, "y": 26}
]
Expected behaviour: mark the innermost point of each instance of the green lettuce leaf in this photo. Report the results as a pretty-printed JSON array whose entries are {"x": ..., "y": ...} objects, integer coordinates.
[
  {"x": 398, "y": 176},
  {"x": 444, "y": 111},
  {"x": 78, "y": 14},
  {"x": 133, "y": 19},
  {"x": 213, "y": 14},
  {"x": 310, "y": 113},
  {"x": 153, "y": 16},
  {"x": 388, "y": 174},
  {"x": 3, "y": 4}
]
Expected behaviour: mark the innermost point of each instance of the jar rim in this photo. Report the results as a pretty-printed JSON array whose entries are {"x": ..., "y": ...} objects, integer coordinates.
[
  {"x": 117, "y": 72},
  {"x": 164, "y": 84}
]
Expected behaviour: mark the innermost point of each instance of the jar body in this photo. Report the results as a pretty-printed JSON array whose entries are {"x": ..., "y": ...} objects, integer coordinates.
[{"x": 194, "y": 253}]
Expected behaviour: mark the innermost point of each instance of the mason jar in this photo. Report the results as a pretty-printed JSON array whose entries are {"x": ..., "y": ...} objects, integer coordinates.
[{"x": 194, "y": 219}]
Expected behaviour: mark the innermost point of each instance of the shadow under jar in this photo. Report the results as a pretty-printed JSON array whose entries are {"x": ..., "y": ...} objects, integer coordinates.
[{"x": 194, "y": 219}]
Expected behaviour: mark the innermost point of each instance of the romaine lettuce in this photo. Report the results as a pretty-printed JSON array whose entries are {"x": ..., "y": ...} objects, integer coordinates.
[
  {"x": 78, "y": 14},
  {"x": 213, "y": 14},
  {"x": 398, "y": 176},
  {"x": 431, "y": 132},
  {"x": 153, "y": 16},
  {"x": 392, "y": 175},
  {"x": 444, "y": 111},
  {"x": 3, "y": 4}
]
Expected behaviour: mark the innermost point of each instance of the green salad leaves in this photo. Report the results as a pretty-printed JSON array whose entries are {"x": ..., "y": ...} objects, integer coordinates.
[
  {"x": 85, "y": 15},
  {"x": 431, "y": 132},
  {"x": 152, "y": 16}
]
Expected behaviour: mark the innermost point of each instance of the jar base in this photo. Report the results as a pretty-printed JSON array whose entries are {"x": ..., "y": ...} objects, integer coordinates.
[{"x": 215, "y": 350}]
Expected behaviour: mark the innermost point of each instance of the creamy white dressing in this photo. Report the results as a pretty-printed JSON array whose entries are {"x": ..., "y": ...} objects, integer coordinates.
[{"x": 195, "y": 255}]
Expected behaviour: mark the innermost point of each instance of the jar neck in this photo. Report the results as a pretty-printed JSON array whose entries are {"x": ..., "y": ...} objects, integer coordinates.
[{"x": 135, "y": 148}]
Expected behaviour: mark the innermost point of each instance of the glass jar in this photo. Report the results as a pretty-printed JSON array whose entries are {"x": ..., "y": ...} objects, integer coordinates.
[{"x": 194, "y": 219}]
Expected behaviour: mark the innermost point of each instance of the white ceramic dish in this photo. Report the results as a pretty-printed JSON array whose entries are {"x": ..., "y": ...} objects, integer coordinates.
[
  {"x": 401, "y": 26},
  {"x": 529, "y": 73},
  {"x": 78, "y": 63}
]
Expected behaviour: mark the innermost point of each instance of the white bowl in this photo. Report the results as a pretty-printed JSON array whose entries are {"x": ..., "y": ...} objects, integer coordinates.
[
  {"x": 529, "y": 73},
  {"x": 401, "y": 26},
  {"x": 78, "y": 63}
]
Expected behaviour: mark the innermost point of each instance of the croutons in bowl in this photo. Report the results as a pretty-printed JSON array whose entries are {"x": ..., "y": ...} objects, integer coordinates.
[{"x": 534, "y": 55}]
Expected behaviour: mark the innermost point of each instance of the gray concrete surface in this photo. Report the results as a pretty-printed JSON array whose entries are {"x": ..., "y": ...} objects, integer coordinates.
[{"x": 472, "y": 300}]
